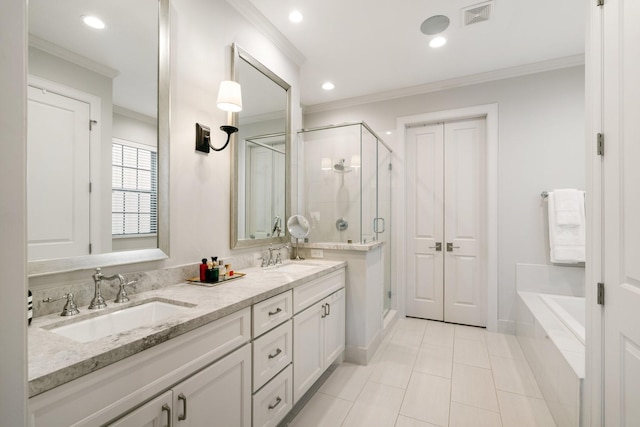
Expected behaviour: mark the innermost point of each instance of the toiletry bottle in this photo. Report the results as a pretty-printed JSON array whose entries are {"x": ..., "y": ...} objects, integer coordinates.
[
  {"x": 209, "y": 273},
  {"x": 203, "y": 270},
  {"x": 223, "y": 270},
  {"x": 29, "y": 306},
  {"x": 216, "y": 271},
  {"x": 229, "y": 270}
]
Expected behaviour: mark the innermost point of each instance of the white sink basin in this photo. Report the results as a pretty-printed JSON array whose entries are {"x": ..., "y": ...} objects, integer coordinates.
[
  {"x": 119, "y": 321},
  {"x": 293, "y": 267}
]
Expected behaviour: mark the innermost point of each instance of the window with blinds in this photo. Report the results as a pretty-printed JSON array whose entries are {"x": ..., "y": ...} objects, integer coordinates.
[{"x": 133, "y": 189}]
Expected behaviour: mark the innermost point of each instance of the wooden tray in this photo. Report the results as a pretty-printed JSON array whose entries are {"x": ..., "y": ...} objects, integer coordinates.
[{"x": 196, "y": 280}]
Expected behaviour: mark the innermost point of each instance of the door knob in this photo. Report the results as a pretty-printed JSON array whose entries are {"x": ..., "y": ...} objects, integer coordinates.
[
  {"x": 437, "y": 247},
  {"x": 450, "y": 247}
]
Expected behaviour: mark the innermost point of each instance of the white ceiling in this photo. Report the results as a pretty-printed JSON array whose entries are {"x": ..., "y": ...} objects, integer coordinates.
[{"x": 366, "y": 47}]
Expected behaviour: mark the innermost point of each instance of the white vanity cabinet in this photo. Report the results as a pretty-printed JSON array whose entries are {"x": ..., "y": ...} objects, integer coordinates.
[
  {"x": 318, "y": 329},
  {"x": 210, "y": 365},
  {"x": 272, "y": 357},
  {"x": 219, "y": 394}
]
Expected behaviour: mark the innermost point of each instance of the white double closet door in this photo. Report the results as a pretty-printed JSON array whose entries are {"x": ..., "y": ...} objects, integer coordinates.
[{"x": 446, "y": 222}]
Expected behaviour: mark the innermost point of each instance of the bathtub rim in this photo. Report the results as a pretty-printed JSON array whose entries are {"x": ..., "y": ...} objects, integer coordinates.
[
  {"x": 563, "y": 339},
  {"x": 565, "y": 317}
]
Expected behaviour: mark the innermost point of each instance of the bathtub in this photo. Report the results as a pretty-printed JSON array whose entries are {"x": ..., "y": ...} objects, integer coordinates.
[
  {"x": 551, "y": 332},
  {"x": 570, "y": 311}
]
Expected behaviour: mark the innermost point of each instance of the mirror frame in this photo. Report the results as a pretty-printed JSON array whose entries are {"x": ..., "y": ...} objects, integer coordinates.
[
  {"x": 62, "y": 265},
  {"x": 238, "y": 54}
]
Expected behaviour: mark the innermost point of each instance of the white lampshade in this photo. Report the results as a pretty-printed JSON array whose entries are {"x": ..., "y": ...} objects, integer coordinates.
[
  {"x": 230, "y": 96},
  {"x": 355, "y": 161},
  {"x": 325, "y": 164}
]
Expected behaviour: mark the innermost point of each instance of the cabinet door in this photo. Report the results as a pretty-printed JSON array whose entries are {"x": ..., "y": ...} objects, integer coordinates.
[
  {"x": 308, "y": 351},
  {"x": 156, "y": 413},
  {"x": 334, "y": 327},
  {"x": 218, "y": 395}
]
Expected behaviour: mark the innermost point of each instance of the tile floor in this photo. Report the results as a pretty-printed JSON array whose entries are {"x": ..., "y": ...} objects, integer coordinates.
[{"x": 432, "y": 374}]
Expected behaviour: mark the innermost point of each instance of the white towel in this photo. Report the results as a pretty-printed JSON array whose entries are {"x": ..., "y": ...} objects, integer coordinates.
[{"x": 567, "y": 226}]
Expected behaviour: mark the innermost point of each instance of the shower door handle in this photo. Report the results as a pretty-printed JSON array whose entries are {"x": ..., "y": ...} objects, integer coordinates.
[{"x": 376, "y": 229}]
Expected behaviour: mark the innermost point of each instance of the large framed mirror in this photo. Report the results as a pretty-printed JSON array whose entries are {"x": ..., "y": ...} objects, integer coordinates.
[
  {"x": 260, "y": 166},
  {"x": 98, "y": 134}
]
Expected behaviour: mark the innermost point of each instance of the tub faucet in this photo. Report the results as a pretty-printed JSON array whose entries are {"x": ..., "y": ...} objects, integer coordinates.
[{"x": 98, "y": 301}]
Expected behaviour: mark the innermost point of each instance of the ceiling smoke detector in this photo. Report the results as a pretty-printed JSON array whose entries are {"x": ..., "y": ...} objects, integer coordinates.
[{"x": 476, "y": 13}]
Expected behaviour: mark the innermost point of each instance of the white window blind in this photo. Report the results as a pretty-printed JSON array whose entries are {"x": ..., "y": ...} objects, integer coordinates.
[{"x": 133, "y": 189}]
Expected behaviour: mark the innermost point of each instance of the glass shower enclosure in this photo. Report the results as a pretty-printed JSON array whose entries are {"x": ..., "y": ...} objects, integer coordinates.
[{"x": 344, "y": 187}]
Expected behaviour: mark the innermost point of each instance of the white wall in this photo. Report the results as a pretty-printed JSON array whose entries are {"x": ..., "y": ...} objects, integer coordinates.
[
  {"x": 201, "y": 34},
  {"x": 540, "y": 147},
  {"x": 13, "y": 243}
]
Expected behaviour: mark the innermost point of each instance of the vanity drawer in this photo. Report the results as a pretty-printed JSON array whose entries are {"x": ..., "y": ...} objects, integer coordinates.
[
  {"x": 271, "y": 312},
  {"x": 274, "y": 401},
  {"x": 271, "y": 353},
  {"x": 308, "y": 294}
]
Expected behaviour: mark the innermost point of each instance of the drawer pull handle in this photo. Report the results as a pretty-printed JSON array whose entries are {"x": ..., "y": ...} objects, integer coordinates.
[
  {"x": 184, "y": 399},
  {"x": 278, "y": 351},
  {"x": 273, "y": 313},
  {"x": 324, "y": 311},
  {"x": 278, "y": 400},
  {"x": 328, "y": 309},
  {"x": 166, "y": 408}
]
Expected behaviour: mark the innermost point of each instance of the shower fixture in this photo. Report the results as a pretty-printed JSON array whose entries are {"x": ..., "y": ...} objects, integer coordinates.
[{"x": 340, "y": 167}]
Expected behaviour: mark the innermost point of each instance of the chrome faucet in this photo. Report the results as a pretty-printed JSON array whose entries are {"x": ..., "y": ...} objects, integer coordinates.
[
  {"x": 278, "y": 259},
  {"x": 98, "y": 301}
]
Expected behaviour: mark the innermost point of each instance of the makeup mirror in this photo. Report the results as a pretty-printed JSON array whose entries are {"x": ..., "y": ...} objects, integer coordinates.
[{"x": 299, "y": 228}]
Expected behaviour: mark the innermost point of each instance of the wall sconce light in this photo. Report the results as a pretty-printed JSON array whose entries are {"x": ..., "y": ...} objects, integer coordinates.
[
  {"x": 355, "y": 161},
  {"x": 230, "y": 100},
  {"x": 325, "y": 164}
]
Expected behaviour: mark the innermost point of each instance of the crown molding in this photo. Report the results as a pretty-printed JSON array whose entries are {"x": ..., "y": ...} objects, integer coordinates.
[
  {"x": 255, "y": 17},
  {"x": 72, "y": 57},
  {"x": 134, "y": 115},
  {"x": 489, "y": 76}
]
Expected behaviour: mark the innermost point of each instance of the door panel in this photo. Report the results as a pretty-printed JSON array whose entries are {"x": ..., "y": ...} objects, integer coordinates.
[
  {"x": 621, "y": 213},
  {"x": 218, "y": 395},
  {"x": 446, "y": 204},
  {"x": 58, "y": 194},
  {"x": 424, "y": 222},
  {"x": 465, "y": 292}
]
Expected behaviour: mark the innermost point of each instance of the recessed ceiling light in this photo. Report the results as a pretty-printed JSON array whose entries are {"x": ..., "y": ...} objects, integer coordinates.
[
  {"x": 328, "y": 86},
  {"x": 93, "y": 22},
  {"x": 388, "y": 132},
  {"x": 437, "y": 42},
  {"x": 295, "y": 16}
]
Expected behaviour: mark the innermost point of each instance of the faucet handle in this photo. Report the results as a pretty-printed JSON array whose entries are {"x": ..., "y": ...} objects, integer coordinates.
[
  {"x": 70, "y": 308},
  {"x": 278, "y": 258},
  {"x": 122, "y": 294}
]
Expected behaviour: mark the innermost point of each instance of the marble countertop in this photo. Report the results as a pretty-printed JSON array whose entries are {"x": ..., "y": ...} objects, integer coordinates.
[
  {"x": 362, "y": 247},
  {"x": 55, "y": 360}
]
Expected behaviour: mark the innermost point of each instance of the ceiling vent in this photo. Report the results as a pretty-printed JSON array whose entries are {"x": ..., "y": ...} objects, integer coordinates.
[{"x": 476, "y": 13}]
